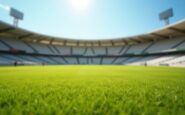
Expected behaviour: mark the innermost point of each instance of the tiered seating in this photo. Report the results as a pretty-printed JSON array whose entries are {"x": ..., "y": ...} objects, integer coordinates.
[
  {"x": 72, "y": 60},
  {"x": 89, "y": 52},
  {"x": 53, "y": 49},
  {"x": 17, "y": 44},
  {"x": 41, "y": 48},
  {"x": 170, "y": 60},
  {"x": 59, "y": 60},
  {"x": 90, "y": 61},
  {"x": 83, "y": 60},
  {"x": 31, "y": 58},
  {"x": 143, "y": 60},
  {"x": 160, "y": 60},
  {"x": 108, "y": 60},
  {"x": 3, "y": 47},
  {"x": 78, "y": 50},
  {"x": 5, "y": 61},
  {"x": 100, "y": 51},
  {"x": 176, "y": 60},
  {"x": 55, "y": 54},
  {"x": 64, "y": 50},
  {"x": 13, "y": 57},
  {"x": 114, "y": 51},
  {"x": 124, "y": 49},
  {"x": 138, "y": 49},
  {"x": 46, "y": 60},
  {"x": 163, "y": 45},
  {"x": 131, "y": 60},
  {"x": 120, "y": 60},
  {"x": 180, "y": 64},
  {"x": 181, "y": 46},
  {"x": 96, "y": 60}
]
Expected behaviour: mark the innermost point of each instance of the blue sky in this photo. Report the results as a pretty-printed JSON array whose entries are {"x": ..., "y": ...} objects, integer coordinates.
[{"x": 102, "y": 19}]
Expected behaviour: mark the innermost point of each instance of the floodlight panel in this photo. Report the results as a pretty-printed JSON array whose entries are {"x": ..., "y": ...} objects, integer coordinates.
[
  {"x": 166, "y": 14},
  {"x": 16, "y": 14}
]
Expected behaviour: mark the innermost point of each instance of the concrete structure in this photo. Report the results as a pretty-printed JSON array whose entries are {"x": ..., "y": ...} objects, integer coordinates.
[{"x": 165, "y": 47}]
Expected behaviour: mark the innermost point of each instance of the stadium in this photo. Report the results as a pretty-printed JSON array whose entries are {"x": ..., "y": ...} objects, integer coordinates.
[
  {"x": 139, "y": 74},
  {"x": 164, "y": 47}
]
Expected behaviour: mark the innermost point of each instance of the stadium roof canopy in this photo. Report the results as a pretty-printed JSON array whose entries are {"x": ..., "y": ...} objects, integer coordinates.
[{"x": 171, "y": 31}]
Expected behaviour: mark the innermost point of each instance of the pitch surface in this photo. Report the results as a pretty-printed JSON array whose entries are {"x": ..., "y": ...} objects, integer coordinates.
[{"x": 87, "y": 90}]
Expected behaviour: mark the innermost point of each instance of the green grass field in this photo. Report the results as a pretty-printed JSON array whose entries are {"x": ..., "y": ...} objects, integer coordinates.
[{"x": 92, "y": 90}]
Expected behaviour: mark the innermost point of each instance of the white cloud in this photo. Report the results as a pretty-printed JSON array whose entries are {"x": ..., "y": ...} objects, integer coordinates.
[{"x": 5, "y": 7}]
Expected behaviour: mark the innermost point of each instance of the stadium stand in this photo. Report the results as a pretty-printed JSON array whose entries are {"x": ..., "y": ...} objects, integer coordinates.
[
  {"x": 16, "y": 44},
  {"x": 78, "y": 51},
  {"x": 114, "y": 51},
  {"x": 139, "y": 48},
  {"x": 65, "y": 51},
  {"x": 163, "y": 47},
  {"x": 89, "y": 52},
  {"x": 3, "y": 47},
  {"x": 96, "y": 60}
]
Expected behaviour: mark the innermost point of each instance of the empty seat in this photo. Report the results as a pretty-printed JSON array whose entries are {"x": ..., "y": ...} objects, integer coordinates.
[
  {"x": 108, "y": 60},
  {"x": 64, "y": 50},
  {"x": 72, "y": 60},
  {"x": 100, "y": 51},
  {"x": 163, "y": 45},
  {"x": 114, "y": 50},
  {"x": 41, "y": 48},
  {"x": 3, "y": 47},
  {"x": 78, "y": 50},
  {"x": 17, "y": 44},
  {"x": 138, "y": 49}
]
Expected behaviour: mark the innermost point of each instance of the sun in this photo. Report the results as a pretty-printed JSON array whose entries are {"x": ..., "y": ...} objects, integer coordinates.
[{"x": 80, "y": 6}]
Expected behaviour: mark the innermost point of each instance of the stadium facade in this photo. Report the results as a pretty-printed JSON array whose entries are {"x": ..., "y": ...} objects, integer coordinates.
[{"x": 163, "y": 47}]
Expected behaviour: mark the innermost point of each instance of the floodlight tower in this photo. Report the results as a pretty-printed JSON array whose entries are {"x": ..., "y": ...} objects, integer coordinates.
[
  {"x": 166, "y": 15},
  {"x": 17, "y": 15}
]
